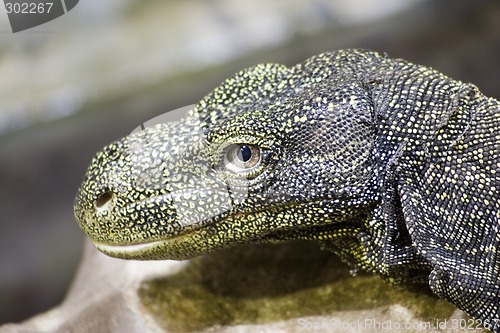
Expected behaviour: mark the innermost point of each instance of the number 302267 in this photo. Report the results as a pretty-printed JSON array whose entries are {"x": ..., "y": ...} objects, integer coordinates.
[{"x": 28, "y": 7}]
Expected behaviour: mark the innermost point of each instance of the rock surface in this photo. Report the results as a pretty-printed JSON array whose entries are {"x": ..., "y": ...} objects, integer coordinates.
[{"x": 289, "y": 287}]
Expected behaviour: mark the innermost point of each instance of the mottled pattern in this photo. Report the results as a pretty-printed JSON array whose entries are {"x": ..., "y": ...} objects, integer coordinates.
[{"x": 392, "y": 165}]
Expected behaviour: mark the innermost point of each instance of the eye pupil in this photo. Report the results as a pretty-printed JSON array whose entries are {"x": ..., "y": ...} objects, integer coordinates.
[{"x": 245, "y": 153}]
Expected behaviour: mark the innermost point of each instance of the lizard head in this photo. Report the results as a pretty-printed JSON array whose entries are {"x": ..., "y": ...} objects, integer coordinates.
[{"x": 273, "y": 153}]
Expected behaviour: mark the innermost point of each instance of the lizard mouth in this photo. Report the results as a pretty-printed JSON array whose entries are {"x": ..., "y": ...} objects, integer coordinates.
[
  {"x": 189, "y": 243},
  {"x": 182, "y": 246},
  {"x": 210, "y": 236},
  {"x": 142, "y": 251},
  {"x": 132, "y": 250}
]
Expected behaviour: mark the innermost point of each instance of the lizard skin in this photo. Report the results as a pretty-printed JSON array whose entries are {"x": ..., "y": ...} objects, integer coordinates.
[{"x": 393, "y": 166}]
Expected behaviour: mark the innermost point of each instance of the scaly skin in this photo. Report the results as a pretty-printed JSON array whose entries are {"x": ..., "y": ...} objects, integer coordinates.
[{"x": 393, "y": 166}]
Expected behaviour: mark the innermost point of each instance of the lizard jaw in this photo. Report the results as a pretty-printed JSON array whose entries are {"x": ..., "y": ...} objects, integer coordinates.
[
  {"x": 205, "y": 238},
  {"x": 131, "y": 251},
  {"x": 162, "y": 249}
]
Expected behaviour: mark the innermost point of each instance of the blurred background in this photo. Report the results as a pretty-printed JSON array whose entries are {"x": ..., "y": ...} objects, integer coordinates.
[{"x": 74, "y": 84}]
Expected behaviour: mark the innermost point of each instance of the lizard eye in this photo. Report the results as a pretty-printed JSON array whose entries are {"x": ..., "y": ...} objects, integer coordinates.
[{"x": 242, "y": 157}]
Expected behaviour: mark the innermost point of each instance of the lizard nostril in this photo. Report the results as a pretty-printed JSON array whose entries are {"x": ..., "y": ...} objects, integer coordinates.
[{"x": 104, "y": 201}]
